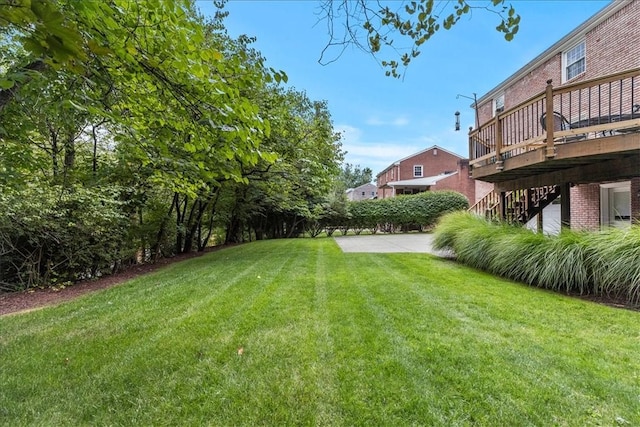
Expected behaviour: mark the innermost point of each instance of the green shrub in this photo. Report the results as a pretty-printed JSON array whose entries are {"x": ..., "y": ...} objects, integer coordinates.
[{"x": 49, "y": 235}]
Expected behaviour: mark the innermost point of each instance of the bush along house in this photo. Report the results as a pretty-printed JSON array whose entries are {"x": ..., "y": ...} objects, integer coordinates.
[{"x": 567, "y": 125}]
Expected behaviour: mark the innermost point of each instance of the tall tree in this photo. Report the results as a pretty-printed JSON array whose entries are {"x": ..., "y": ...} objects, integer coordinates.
[
  {"x": 280, "y": 198},
  {"x": 354, "y": 176}
]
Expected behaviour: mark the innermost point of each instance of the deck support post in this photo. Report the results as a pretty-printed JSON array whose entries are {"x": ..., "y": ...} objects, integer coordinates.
[
  {"x": 503, "y": 205},
  {"x": 540, "y": 222},
  {"x": 565, "y": 205},
  {"x": 551, "y": 149}
]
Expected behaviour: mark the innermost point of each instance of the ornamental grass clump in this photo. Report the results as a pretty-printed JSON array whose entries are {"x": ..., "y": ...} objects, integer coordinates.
[
  {"x": 565, "y": 265},
  {"x": 518, "y": 254},
  {"x": 477, "y": 246},
  {"x": 596, "y": 263},
  {"x": 449, "y": 227},
  {"x": 615, "y": 263}
]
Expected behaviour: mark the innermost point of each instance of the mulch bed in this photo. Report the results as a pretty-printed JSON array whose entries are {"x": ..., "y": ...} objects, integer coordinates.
[{"x": 15, "y": 302}]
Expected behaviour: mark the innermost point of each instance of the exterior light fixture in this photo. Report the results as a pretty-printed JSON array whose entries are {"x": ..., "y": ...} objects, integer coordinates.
[{"x": 457, "y": 113}]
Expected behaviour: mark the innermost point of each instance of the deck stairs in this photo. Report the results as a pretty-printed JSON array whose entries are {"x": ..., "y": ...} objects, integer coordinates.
[{"x": 520, "y": 206}]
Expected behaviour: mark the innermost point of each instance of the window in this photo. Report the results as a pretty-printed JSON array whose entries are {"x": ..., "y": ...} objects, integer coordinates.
[
  {"x": 417, "y": 171},
  {"x": 363, "y": 193},
  {"x": 574, "y": 61},
  {"x": 498, "y": 104}
]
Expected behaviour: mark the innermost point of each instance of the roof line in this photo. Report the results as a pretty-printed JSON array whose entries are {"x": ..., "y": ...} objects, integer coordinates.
[{"x": 427, "y": 180}]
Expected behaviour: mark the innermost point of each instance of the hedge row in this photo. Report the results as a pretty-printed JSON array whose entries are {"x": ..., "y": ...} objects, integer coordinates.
[{"x": 398, "y": 213}]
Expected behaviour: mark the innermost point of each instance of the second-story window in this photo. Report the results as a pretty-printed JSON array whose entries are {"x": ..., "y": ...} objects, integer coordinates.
[
  {"x": 498, "y": 104},
  {"x": 574, "y": 61},
  {"x": 417, "y": 171}
]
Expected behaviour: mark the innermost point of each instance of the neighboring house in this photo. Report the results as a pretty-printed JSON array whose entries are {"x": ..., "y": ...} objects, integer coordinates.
[
  {"x": 428, "y": 170},
  {"x": 363, "y": 192},
  {"x": 587, "y": 149}
]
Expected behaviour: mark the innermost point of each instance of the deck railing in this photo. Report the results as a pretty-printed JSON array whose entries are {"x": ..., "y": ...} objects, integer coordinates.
[{"x": 591, "y": 109}]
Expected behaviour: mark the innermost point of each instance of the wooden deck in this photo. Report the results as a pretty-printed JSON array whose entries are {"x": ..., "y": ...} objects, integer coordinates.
[{"x": 593, "y": 135}]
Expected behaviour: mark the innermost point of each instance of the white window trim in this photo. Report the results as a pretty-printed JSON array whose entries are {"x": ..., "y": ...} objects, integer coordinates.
[
  {"x": 421, "y": 171},
  {"x": 565, "y": 64},
  {"x": 622, "y": 187}
]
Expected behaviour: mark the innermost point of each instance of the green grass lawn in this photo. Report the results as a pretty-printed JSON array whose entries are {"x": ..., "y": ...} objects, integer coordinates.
[{"x": 327, "y": 339}]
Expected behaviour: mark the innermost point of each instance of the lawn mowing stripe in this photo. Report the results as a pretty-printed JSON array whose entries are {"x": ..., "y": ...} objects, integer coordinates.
[
  {"x": 280, "y": 344},
  {"x": 215, "y": 348},
  {"x": 542, "y": 368},
  {"x": 358, "y": 345},
  {"x": 389, "y": 298},
  {"x": 166, "y": 287},
  {"x": 324, "y": 366},
  {"x": 399, "y": 314},
  {"x": 286, "y": 333}
]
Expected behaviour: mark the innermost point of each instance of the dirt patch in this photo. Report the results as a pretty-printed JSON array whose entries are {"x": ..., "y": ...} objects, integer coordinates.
[{"x": 15, "y": 302}]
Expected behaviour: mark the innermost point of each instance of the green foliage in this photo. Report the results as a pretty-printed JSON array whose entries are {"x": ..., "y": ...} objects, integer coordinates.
[
  {"x": 593, "y": 263},
  {"x": 43, "y": 28},
  {"x": 285, "y": 198},
  {"x": 354, "y": 176},
  {"x": 422, "y": 210},
  {"x": 49, "y": 234}
]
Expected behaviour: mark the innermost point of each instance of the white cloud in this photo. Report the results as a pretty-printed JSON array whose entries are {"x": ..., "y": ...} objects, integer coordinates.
[
  {"x": 373, "y": 148},
  {"x": 376, "y": 155},
  {"x": 400, "y": 121},
  {"x": 397, "y": 122}
]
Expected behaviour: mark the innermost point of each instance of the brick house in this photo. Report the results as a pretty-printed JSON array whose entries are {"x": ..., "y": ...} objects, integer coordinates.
[
  {"x": 587, "y": 150},
  {"x": 428, "y": 170},
  {"x": 362, "y": 192}
]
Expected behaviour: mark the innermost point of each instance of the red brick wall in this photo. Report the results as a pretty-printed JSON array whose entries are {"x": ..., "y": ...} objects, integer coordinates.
[
  {"x": 390, "y": 174},
  {"x": 532, "y": 84},
  {"x": 460, "y": 182},
  {"x": 434, "y": 162},
  {"x": 613, "y": 46},
  {"x": 585, "y": 207}
]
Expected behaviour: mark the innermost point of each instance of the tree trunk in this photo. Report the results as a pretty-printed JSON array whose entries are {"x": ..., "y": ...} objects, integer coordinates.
[{"x": 156, "y": 249}]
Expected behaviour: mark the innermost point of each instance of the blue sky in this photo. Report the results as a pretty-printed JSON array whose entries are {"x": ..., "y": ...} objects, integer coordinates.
[{"x": 383, "y": 119}]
